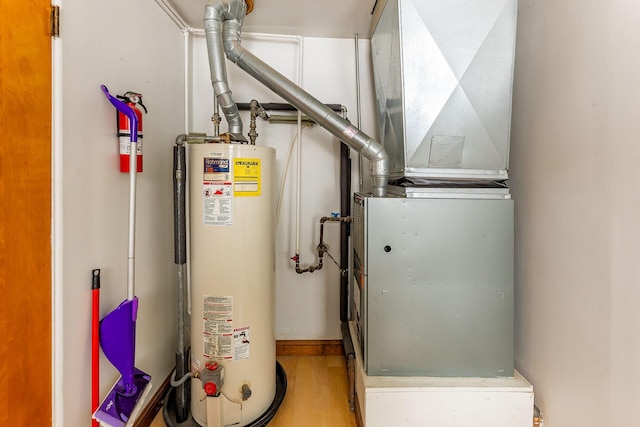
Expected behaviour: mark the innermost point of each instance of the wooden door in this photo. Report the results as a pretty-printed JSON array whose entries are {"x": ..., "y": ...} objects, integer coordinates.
[{"x": 25, "y": 213}]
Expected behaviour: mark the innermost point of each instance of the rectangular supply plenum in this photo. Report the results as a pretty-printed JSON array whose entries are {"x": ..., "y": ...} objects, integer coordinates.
[
  {"x": 436, "y": 286},
  {"x": 443, "y": 73}
]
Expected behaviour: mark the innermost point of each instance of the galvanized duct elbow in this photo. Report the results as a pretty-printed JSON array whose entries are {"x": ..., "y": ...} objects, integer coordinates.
[
  {"x": 342, "y": 129},
  {"x": 217, "y": 12}
]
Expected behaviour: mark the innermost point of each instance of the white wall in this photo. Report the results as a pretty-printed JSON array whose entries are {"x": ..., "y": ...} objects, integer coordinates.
[
  {"x": 574, "y": 175},
  {"x": 307, "y": 306},
  {"x": 126, "y": 46}
]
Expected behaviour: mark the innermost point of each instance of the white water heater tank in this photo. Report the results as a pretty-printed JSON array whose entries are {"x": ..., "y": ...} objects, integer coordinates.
[{"x": 232, "y": 281}]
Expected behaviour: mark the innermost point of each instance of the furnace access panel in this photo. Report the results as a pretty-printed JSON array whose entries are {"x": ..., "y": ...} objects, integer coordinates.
[{"x": 432, "y": 285}]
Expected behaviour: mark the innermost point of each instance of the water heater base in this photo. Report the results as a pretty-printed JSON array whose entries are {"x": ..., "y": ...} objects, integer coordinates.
[{"x": 169, "y": 405}]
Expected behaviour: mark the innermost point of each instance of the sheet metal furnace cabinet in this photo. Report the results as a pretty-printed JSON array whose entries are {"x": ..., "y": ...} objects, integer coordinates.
[{"x": 433, "y": 286}]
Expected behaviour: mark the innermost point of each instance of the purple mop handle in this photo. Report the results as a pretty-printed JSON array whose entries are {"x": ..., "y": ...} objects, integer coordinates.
[
  {"x": 133, "y": 121},
  {"x": 126, "y": 110}
]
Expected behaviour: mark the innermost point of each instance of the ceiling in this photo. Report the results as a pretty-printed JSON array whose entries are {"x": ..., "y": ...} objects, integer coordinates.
[{"x": 309, "y": 18}]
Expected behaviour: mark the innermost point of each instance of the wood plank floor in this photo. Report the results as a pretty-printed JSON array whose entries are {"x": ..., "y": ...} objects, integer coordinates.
[{"x": 317, "y": 394}]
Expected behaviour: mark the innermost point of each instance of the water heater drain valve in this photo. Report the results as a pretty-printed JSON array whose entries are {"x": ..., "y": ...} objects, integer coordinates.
[
  {"x": 212, "y": 378},
  {"x": 246, "y": 391}
]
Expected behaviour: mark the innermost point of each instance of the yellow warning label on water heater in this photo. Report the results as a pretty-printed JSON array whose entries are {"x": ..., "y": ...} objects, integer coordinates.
[{"x": 247, "y": 177}]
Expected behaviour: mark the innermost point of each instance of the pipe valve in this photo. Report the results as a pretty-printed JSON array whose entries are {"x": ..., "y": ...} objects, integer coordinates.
[
  {"x": 212, "y": 378},
  {"x": 246, "y": 391}
]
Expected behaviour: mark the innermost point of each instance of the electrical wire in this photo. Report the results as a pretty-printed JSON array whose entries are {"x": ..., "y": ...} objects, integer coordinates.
[
  {"x": 334, "y": 261},
  {"x": 181, "y": 381},
  {"x": 285, "y": 171}
]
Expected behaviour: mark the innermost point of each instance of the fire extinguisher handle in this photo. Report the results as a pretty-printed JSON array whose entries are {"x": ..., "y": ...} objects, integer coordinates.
[
  {"x": 126, "y": 110},
  {"x": 133, "y": 98},
  {"x": 142, "y": 105}
]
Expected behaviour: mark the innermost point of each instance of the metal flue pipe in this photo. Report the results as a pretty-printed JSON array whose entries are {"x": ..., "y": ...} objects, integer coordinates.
[
  {"x": 219, "y": 13},
  {"x": 223, "y": 23}
]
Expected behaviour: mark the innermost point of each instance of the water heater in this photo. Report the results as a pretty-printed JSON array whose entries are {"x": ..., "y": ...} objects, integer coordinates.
[{"x": 232, "y": 282}]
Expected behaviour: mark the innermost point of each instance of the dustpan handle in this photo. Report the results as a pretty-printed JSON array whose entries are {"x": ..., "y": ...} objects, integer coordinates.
[
  {"x": 131, "y": 254},
  {"x": 133, "y": 154},
  {"x": 126, "y": 110}
]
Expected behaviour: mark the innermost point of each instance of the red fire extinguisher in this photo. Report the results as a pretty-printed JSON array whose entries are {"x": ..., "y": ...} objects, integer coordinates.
[{"x": 132, "y": 99}]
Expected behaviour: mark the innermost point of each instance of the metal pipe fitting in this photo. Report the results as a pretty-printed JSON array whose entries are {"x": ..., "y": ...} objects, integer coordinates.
[
  {"x": 253, "y": 134},
  {"x": 322, "y": 247},
  {"x": 202, "y": 138}
]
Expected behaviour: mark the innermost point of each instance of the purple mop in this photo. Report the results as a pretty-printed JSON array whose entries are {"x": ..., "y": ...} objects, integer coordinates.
[{"x": 118, "y": 328}]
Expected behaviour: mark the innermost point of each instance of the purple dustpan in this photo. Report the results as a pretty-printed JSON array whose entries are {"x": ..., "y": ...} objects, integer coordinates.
[{"x": 118, "y": 342}]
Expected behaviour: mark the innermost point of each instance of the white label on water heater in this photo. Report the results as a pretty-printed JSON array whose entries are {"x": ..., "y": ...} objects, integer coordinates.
[
  {"x": 218, "y": 327},
  {"x": 241, "y": 343},
  {"x": 217, "y": 192},
  {"x": 217, "y": 203}
]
